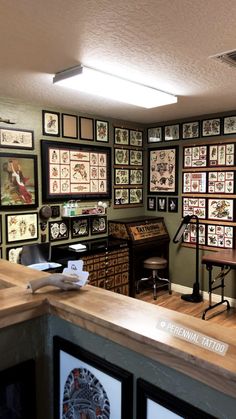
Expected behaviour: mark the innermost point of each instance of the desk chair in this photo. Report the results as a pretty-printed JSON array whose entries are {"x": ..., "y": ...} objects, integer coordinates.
[
  {"x": 155, "y": 264},
  {"x": 38, "y": 256}
]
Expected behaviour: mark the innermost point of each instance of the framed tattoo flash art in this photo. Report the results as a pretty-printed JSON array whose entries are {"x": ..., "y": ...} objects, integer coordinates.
[
  {"x": 69, "y": 126},
  {"x": 172, "y": 204},
  {"x": 153, "y": 402},
  {"x": 221, "y": 209},
  {"x": 13, "y": 254},
  {"x": 171, "y": 132},
  {"x": 16, "y": 138},
  {"x": 121, "y": 196},
  {"x": 121, "y": 136},
  {"x": 151, "y": 203},
  {"x": 51, "y": 123},
  {"x": 18, "y": 180},
  {"x": 161, "y": 204},
  {"x": 222, "y": 154},
  {"x": 102, "y": 131},
  {"x": 89, "y": 385},
  {"x": 136, "y": 157},
  {"x": 98, "y": 225},
  {"x": 121, "y": 176},
  {"x": 58, "y": 230},
  {"x": 194, "y": 206},
  {"x": 136, "y": 138},
  {"x": 221, "y": 182},
  {"x": 220, "y": 236},
  {"x": 79, "y": 227},
  {"x": 194, "y": 182},
  {"x": 190, "y": 130},
  {"x": 211, "y": 127},
  {"x": 190, "y": 234},
  {"x": 195, "y": 156},
  {"x": 121, "y": 156},
  {"x": 154, "y": 135},
  {"x": 136, "y": 196},
  {"x": 163, "y": 166},
  {"x": 21, "y": 227},
  {"x": 76, "y": 172},
  {"x": 136, "y": 176},
  {"x": 229, "y": 125}
]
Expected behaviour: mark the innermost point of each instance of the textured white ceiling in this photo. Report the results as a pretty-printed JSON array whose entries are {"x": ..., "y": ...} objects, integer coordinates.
[{"x": 162, "y": 43}]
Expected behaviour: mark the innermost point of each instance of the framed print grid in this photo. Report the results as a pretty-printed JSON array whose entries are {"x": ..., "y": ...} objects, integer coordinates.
[
  {"x": 121, "y": 156},
  {"x": 190, "y": 234},
  {"x": 171, "y": 132},
  {"x": 190, "y": 130},
  {"x": 121, "y": 176},
  {"x": 220, "y": 209},
  {"x": 18, "y": 181},
  {"x": 135, "y": 157},
  {"x": 195, "y": 156},
  {"x": 136, "y": 138},
  {"x": 136, "y": 196},
  {"x": 154, "y": 135},
  {"x": 229, "y": 125},
  {"x": 211, "y": 127},
  {"x": 220, "y": 236},
  {"x": 121, "y": 136},
  {"x": 222, "y": 154},
  {"x": 194, "y": 182},
  {"x": 163, "y": 165},
  {"x": 87, "y": 385},
  {"x": 69, "y": 170},
  {"x": 153, "y": 402},
  {"x": 122, "y": 196},
  {"x": 21, "y": 227},
  {"x": 16, "y": 138},
  {"x": 221, "y": 182},
  {"x": 51, "y": 123},
  {"x": 194, "y": 206},
  {"x": 101, "y": 131}
]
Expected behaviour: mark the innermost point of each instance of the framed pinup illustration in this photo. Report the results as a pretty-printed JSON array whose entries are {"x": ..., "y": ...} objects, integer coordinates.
[
  {"x": 98, "y": 225},
  {"x": 16, "y": 138},
  {"x": 79, "y": 227},
  {"x": 229, "y": 125},
  {"x": 86, "y": 129},
  {"x": 18, "y": 181},
  {"x": 69, "y": 125},
  {"x": 190, "y": 234},
  {"x": 121, "y": 136},
  {"x": 163, "y": 167},
  {"x": 21, "y": 227},
  {"x": 211, "y": 127},
  {"x": 121, "y": 196},
  {"x": 221, "y": 209},
  {"x": 136, "y": 138},
  {"x": 135, "y": 157},
  {"x": 161, "y": 203},
  {"x": 121, "y": 176},
  {"x": 151, "y": 203},
  {"x": 154, "y": 403},
  {"x": 136, "y": 176},
  {"x": 194, "y": 182},
  {"x": 154, "y": 135},
  {"x": 102, "y": 131},
  {"x": 220, "y": 236},
  {"x": 121, "y": 156},
  {"x": 136, "y": 196},
  {"x": 190, "y": 130},
  {"x": 222, "y": 154},
  {"x": 88, "y": 385},
  {"x": 58, "y": 230},
  {"x": 71, "y": 171},
  {"x": 221, "y": 182},
  {"x": 171, "y": 132},
  {"x": 195, "y": 156},
  {"x": 194, "y": 206},
  {"x": 51, "y": 123}
]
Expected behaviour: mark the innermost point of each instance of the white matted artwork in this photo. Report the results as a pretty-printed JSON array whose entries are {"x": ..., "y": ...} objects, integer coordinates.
[
  {"x": 221, "y": 209},
  {"x": 220, "y": 236}
]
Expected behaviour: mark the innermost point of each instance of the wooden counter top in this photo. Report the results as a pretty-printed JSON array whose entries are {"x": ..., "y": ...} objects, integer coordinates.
[{"x": 127, "y": 321}]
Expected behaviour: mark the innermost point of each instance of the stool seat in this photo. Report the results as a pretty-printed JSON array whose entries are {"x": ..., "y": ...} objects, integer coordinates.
[{"x": 155, "y": 263}]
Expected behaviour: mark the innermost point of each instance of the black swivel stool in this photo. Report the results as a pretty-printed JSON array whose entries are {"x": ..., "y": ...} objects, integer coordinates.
[{"x": 155, "y": 264}]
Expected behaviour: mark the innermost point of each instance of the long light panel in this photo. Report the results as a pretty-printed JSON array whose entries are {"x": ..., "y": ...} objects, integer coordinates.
[{"x": 98, "y": 83}]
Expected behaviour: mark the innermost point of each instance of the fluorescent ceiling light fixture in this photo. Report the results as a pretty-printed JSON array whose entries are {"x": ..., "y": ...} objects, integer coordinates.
[{"x": 98, "y": 83}]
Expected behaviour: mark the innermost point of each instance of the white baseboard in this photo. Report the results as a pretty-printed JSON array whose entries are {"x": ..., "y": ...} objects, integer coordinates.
[{"x": 215, "y": 297}]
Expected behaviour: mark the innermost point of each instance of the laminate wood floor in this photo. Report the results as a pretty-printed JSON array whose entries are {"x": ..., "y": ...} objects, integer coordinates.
[{"x": 226, "y": 318}]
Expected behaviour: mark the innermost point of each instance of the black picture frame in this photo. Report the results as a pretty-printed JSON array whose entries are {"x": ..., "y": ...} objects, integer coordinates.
[
  {"x": 79, "y": 227},
  {"x": 211, "y": 127},
  {"x": 229, "y": 125},
  {"x": 51, "y": 123},
  {"x": 151, "y": 203},
  {"x": 21, "y": 227},
  {"x": 121, "y": 136},
  {"x": 13, "y": 254},
  {"x": 86, "y": 128},
  {"x": 136, "y": 138},
  {"x": 172, "y": 132},
  {"x": 55, "y": 211},
  {"x": 172, "y": 204},
  {"x": 98, "y": 225},
  {"x": 98, "y": 158},
  {"x": 19, "y": 180},
  {"x": 161, "y": 204},
  {"x": 154, "y": 135},
  {"x": 190, "y": 130},
  {"x": 16, "y": 138},
  {"x": 101, "y": 131},
  {"x": 163, "y": 170},
  {"x": 69, "y": 126},
  {"x": 151, "y": 399},
  {"x": 58, "y": 230},
  {"x": 70, "y": 362}
]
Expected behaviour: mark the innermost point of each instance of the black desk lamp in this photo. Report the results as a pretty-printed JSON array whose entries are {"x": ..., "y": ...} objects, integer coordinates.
[{"x": 195, "y": 297}]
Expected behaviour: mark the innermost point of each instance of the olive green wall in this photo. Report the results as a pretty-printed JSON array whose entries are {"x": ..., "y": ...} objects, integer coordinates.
[{"x": 182, "y": 259}]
